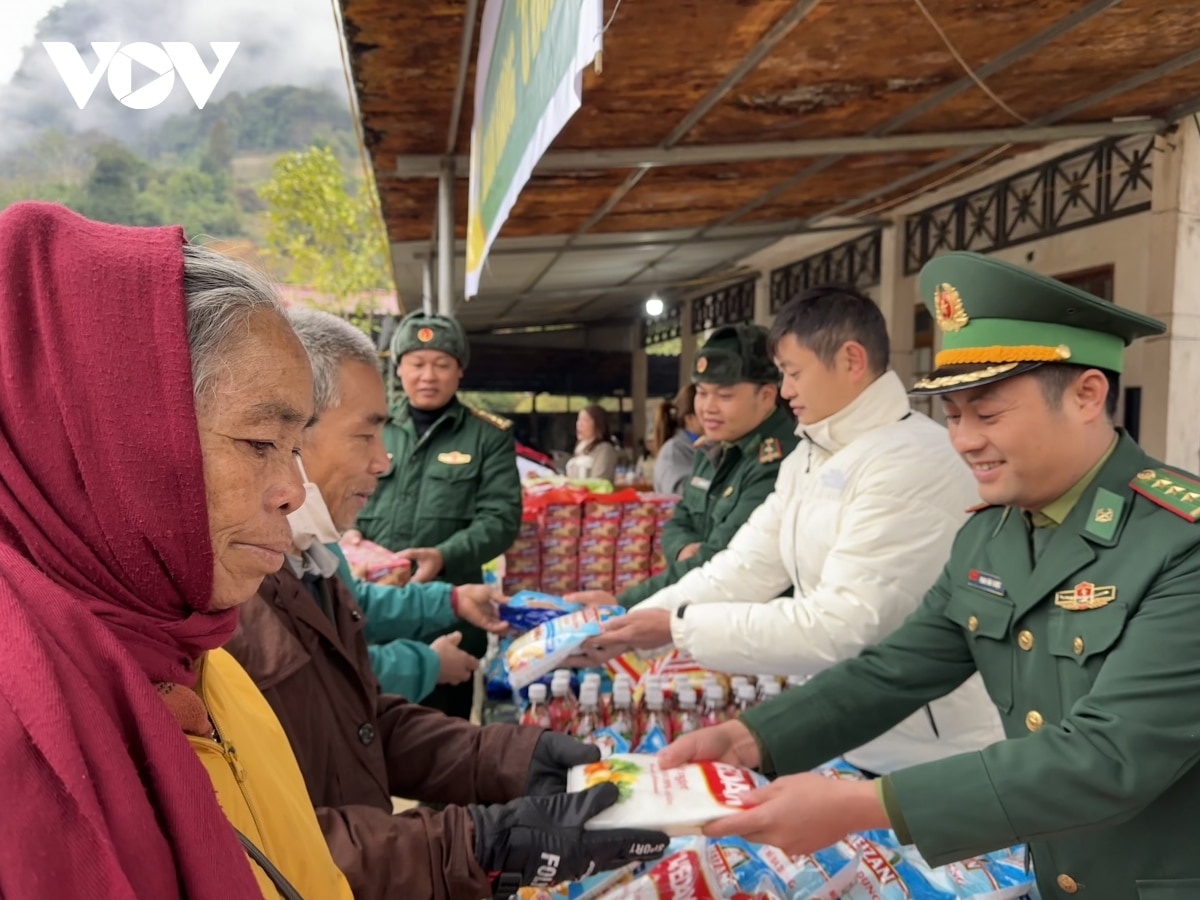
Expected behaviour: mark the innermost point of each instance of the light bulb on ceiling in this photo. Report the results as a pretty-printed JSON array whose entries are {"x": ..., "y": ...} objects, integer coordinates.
[{"x": 654, "y": 306}]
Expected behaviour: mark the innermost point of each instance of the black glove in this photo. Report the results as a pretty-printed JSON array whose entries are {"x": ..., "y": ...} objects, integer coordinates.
[
  {"x": 540, "y": 841},
  {"x": 553, "y": 755}
]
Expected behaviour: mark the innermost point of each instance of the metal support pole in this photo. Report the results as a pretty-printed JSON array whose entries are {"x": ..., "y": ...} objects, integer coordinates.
[{"x": 445, "y": 251}]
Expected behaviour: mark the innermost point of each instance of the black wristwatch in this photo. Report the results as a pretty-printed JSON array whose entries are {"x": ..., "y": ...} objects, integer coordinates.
[{"x": 680, "y": 609}]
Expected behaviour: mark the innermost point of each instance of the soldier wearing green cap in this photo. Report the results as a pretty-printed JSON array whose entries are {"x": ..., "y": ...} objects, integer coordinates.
[
  {"x": 1073, "y": 590},
  {"x": 746, "y": 436},
  {"x": 451, "y": 500}
]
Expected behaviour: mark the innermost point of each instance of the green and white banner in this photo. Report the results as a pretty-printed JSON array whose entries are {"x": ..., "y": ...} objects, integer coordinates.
[{"x": 529, "y": 83}]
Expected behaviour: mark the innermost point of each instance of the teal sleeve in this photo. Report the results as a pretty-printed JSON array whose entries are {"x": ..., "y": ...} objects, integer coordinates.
[
  {"x": 407, "y": 668},
  {"x": 414, "y": 612},
  {"x": 496, "y": 519}
]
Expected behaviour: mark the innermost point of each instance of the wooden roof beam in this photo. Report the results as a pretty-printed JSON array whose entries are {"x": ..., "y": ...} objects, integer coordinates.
[{"x": 565, "y": 161}]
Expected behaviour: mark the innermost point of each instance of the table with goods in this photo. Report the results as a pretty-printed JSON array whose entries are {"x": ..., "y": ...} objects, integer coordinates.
[{"x": 573, "y": 539}]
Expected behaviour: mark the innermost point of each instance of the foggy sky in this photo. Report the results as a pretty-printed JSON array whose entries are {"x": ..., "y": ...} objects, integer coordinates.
[{"x": 283, "y": 42}]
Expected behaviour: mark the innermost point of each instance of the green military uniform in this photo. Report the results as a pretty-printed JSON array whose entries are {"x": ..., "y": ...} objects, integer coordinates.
[
  {"x": 455, "y": 488},
  {"x": 729, "y": 480},
  {"x": 1081, "y": 618}
]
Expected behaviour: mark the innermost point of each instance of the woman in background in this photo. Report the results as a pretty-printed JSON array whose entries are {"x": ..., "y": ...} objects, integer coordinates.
[
  {"x": 595, "y": 456},
  {"x": 676, "y": 430}
]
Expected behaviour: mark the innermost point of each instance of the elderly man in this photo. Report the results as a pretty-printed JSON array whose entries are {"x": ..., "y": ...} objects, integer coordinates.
[
  {"x": 1072, "y": 591},
  {"x": 302, "y": 641},
  {"x": 451, "y": 499}
]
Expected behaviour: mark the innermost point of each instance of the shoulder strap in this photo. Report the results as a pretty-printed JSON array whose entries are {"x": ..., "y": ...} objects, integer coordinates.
[{"x": 281, "y": 884}]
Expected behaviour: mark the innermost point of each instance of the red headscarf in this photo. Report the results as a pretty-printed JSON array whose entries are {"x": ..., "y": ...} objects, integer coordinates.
[{"x": 105, "y": 570}]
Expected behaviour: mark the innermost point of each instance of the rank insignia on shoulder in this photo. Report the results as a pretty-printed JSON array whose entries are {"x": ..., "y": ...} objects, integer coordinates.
[
  {"x": 491, "y": 418},
  {"x": 1085, "y": 595},
  {"x": 454, "y": 458},
  {"x": 769, "y": 451},
  {"x": 1171, "y": 490},
  {"x": 986, "y": 582}
]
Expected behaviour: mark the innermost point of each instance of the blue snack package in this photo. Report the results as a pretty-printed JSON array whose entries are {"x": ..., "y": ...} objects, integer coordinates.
[
  {"x": 526, "y": 610},
  {"x": 539, "y": 652},
  {"x": 824, "y": 875},
  {"x": 997, "y": 876},
  {"x": 889, "y": 871},
  {"x": 653, "y": 741}
]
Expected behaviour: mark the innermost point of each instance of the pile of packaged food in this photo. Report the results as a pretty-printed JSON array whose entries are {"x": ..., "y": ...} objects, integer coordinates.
[
  {"x": 571, "y": 539},
  {"x": 632, "y": 712}
]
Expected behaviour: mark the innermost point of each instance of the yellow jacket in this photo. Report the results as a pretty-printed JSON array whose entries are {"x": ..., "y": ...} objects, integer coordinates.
[{"x": 259, "y": 785}]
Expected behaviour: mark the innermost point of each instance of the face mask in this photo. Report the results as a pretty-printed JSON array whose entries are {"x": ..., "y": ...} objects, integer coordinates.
[{"x": 311, "y": 523}]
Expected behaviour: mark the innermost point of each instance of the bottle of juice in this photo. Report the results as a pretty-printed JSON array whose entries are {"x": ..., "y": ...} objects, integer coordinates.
[
  {"x": 763, "y": 681},
  {"x": 770, "y": 691},
  {"x": 562, "y": 704},
  {"x": 715, "y": 711},
  {"x": 656, "y": 731},
  {"x": 795, "y": 680},
  {"x": 588, "y": 721},
  {"x": 747, "y": 697},
  {"x": 687, "y": 716},
  {"x": 536, "y": 713}
]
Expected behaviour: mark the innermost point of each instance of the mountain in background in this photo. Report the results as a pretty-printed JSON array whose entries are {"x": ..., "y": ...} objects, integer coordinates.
[{"x": 201, "y": 168}]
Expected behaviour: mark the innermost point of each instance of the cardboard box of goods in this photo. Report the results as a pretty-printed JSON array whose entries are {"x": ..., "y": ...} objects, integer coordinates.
[
  {"x": 559, "y": 584},
  {"x": 634, "y": 543},
  {"x": 593, "y": 582},
  {"x": 643, "y": 525}
]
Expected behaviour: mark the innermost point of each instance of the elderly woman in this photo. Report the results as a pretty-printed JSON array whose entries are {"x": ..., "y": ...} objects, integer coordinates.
[{"x": 151, "y": 396}]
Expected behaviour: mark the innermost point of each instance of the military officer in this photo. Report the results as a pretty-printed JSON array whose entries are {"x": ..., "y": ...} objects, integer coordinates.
[
  {"x": 746, "y": 436},
  {"x": 451, "y": 500},
  {"x": 1072, "y": 590}
]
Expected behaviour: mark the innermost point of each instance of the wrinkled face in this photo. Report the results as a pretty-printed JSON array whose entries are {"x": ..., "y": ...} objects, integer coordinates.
[
  {"x": 730, "y": 412},
  {"x": 430, "y": 378},
  {"x": 343, "y": 451},
  {"x": 249, "y": 428},
  {"x": 585, "y": 428},
  {"x": 813, "y": 390},
  {"x": 1022, "y": 451}
]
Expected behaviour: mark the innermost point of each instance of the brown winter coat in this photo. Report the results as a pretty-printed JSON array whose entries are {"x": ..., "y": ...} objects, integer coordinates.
[{"x": 357, "y": 747}]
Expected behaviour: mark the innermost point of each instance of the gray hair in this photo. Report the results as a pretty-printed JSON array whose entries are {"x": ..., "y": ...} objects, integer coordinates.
[
  {"x": 330, "y": 342},
  {"x": 221, "y": 295}
]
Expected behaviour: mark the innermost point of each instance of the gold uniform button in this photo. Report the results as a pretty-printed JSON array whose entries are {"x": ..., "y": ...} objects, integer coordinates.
[
  {"x": 1025, "y": 640},
  {"x": 973, "y": 623},
  {"x": 1034, "y": 720},
  {"x": 1077, "y": 646},
  {"x": 1067, "y": 884}
]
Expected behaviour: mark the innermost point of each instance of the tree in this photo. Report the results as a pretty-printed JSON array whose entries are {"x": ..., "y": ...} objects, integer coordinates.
[
  {"x": 320, "y": 233},
  {"x": 112, "y": 188}
]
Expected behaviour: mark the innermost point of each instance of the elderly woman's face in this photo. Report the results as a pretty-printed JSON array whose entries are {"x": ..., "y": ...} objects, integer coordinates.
[{"x": 249, "y": 428}]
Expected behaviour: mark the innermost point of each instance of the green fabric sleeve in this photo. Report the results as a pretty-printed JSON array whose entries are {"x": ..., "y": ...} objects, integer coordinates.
[
  {"x": 891, "y": 806},
  {"x": 1119, "y": 747},
  {"x": 857, "y": 700},
  {"x": 407, "y": 668},
  {"x": 414, "y": 612}
]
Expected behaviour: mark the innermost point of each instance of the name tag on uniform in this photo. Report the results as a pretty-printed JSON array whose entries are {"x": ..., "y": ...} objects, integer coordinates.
[
  {"x": 456, "y": 458},
  {"x": 702, "y": 483},
  {"x": 986, "y": 582}
]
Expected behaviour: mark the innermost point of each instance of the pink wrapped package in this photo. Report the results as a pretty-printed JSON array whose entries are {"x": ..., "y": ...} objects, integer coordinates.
[{"x": 371, "y": 562}]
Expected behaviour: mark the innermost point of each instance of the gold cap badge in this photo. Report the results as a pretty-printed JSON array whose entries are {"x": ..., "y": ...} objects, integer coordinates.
[
  {"x": 702, "y": 364},
  {"x": 950, "y": 313},
  {"x": 425, "y": 335}
]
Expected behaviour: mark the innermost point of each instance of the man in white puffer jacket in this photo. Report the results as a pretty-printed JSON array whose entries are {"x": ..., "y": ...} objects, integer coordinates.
[{"x": 860, "y": 524}]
